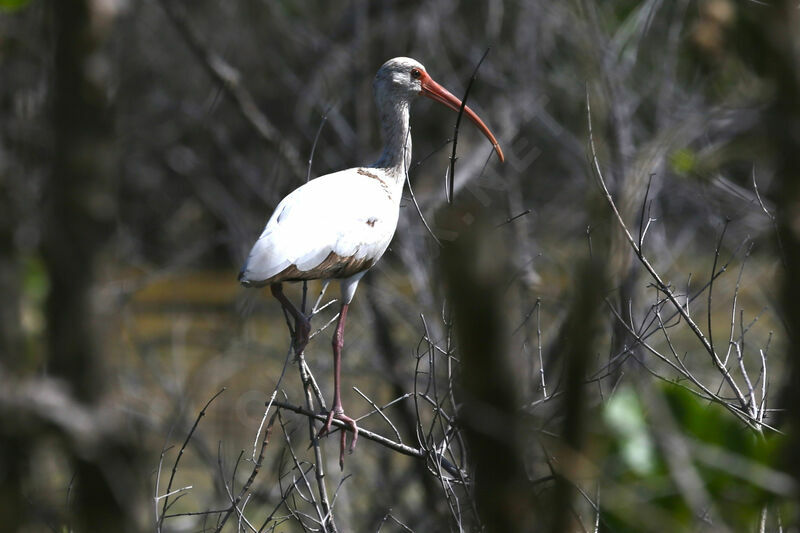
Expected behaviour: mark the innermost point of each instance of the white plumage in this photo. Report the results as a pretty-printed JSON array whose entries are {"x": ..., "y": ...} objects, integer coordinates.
[
  {"x": 338, "y": 225},
  {"x": 352, "y": 214}
]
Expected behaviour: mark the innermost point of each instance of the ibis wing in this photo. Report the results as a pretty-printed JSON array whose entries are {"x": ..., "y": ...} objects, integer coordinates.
[{"x": 333, "y": 226}]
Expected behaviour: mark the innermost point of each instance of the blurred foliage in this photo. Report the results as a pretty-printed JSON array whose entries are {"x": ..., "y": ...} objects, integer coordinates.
[
  {"x": 13, "y": 5},
  {"x": 643, "y": 460},
  {"x": 624, "y": 416},
  {"x": 683, "y": 161}
]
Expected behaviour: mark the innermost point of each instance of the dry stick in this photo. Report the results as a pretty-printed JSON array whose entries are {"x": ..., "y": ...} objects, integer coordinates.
[
  {"x": 230, "y": 80},
  {"x": 316, "y": 308},
  {"x": 272, "y": 398},
  {"x": 198, "y": 513},
  {"x": 326, "y": 326},
  {"x": 253, "y": 473},
  {"x": 644, "y": 261},
  {"x": 452, "y": 172},
  {"x": 319, "y": 469},
  {"x": 180, "y": 454}
]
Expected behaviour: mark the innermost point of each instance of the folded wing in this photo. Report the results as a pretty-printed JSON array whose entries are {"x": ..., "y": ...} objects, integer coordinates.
[{"x": 332, "y": 227}]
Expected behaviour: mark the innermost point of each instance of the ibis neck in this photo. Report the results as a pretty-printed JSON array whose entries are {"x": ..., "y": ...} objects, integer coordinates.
[{"x": 396, "y": 156}]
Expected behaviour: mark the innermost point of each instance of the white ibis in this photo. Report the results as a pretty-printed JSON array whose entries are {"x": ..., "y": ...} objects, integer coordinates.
[{"x": 338, "y": 225}]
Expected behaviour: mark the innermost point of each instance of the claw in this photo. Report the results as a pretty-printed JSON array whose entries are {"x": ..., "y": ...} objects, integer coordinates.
[{"x": 350, "y": 422}]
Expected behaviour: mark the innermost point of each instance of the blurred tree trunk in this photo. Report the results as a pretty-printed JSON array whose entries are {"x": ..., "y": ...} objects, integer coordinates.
[
  {"x": 476, "y": 271},
  {"x": 78, "y": 204},
  {"x": 575, "y": 346},
  {"x": 77, "y": 220}
]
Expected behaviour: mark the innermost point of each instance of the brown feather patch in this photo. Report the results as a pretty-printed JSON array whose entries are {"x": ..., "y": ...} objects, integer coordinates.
[
  {"x": 332, "y": 267},
  {"x": 367, "y": 173}
]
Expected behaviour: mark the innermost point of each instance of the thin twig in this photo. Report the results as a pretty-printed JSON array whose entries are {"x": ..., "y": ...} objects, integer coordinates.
[
  {"x": 380, "y": 412},
  {"x": 452, "y": 172},
  {"x": 772, "y": 219},
  {"x": 416, "y": 204}
]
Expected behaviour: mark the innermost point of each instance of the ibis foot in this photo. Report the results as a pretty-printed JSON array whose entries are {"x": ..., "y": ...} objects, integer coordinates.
[{"x": 338, "y": 414}]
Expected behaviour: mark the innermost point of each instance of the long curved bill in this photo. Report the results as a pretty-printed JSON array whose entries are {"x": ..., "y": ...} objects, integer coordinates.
[{"x": 436, "y": 92}]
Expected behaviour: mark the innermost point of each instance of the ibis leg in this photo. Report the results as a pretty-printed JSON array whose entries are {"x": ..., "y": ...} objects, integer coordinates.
[
  {"x": 302, "y": 325},
  {"x": 336, "y": 410}
]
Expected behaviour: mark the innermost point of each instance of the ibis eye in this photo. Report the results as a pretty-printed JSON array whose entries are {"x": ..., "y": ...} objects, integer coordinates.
[{"x": 415, "y": 73}]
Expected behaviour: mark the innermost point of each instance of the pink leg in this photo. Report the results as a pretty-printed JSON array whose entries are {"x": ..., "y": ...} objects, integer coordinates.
[
  {"x": 336, "y": 411},
  {"x": 302, "y": 326}
]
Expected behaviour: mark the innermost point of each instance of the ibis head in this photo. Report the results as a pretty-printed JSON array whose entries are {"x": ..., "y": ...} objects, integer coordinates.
[{"x": 401, "y": 79}]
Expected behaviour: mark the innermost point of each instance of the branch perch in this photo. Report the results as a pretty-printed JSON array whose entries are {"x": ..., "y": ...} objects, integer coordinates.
[{"x": 375, "y": 437}]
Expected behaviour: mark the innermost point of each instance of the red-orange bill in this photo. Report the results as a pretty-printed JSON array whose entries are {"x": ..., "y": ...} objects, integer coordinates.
[{"x": 436, "y": 92}]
